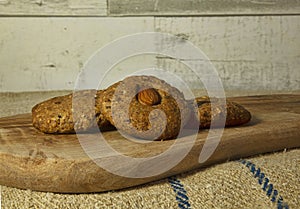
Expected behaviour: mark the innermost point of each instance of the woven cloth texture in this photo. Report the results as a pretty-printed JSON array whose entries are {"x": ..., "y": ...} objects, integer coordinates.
[{"x": 233, "y": 184}]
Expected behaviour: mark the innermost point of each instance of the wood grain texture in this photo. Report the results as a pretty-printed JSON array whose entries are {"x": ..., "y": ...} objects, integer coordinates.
[
  {"x": 48, "y": 53},
  {"x": 53, "y": 8},
  {"x": 249, "y": 53},
  {"x": 30, "y": 159},
  {"x": 258, "y": 54},
  {"x": 202, "y": 7}
]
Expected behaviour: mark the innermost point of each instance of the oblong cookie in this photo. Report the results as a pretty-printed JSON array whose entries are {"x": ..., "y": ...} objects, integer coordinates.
[
  {"x": 235, "y": 114},
  {"x": 145, "y": 107},
  {"x": 56, "y": 114}
]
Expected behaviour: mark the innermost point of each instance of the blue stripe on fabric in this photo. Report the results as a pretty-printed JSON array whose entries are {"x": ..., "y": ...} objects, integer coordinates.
[
  {"x": 181, "y": 194},
  {"x": 267, "y": 187}
]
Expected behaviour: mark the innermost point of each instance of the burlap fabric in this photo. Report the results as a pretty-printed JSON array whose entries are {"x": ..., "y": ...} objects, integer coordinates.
[{"x": 267, "y": 181}]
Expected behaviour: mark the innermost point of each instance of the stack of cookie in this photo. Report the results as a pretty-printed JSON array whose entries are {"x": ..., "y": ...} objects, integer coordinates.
[{"x": 141, "y": 106}]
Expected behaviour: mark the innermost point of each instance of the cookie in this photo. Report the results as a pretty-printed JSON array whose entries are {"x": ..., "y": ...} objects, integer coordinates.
[
  {"x": 235, "y": 114},
  {"x": 56, "y": 114},
  {"x": 145, "y": 107}
]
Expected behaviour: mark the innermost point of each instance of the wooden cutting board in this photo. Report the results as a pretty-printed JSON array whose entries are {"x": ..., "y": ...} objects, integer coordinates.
[{"x": 57, "y": 163}]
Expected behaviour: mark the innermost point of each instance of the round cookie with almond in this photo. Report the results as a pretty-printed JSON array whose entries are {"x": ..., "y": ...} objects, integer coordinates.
[{"x": 145, "y": 107}]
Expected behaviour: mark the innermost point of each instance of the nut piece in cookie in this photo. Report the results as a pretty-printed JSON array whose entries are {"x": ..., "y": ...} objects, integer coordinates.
[
  {"x": 56, "y": 114},
  {"x": 149, "y": 97},
  {"x": 145, "y": 107},
  {"x": 235, "y": 113}
]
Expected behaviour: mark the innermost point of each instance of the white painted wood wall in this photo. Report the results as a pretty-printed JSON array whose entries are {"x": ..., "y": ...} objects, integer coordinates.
[{"x": 44, "y": 43}]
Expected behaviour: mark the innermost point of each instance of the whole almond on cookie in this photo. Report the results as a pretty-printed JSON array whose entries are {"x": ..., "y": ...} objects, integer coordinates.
[{"x": 149, "y": 97}]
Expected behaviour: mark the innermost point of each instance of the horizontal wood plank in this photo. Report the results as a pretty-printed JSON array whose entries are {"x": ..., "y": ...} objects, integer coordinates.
[
  {"x": 53, "y": 8},
  {"x": 146, "y": 7},
  {"x": 32, "y": 160},
  {"x": 39, "y": 54},
  {"x": 249, "y": 53},
  {"x": 253, "y": 54},
  {"x": 202, "y": 7}
]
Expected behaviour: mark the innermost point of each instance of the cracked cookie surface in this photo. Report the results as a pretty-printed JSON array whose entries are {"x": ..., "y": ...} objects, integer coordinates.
[
  {"x": 56, "y": 115},
  {"x": 126, "y": 105},
  {"x": 235, "y": 113}
]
